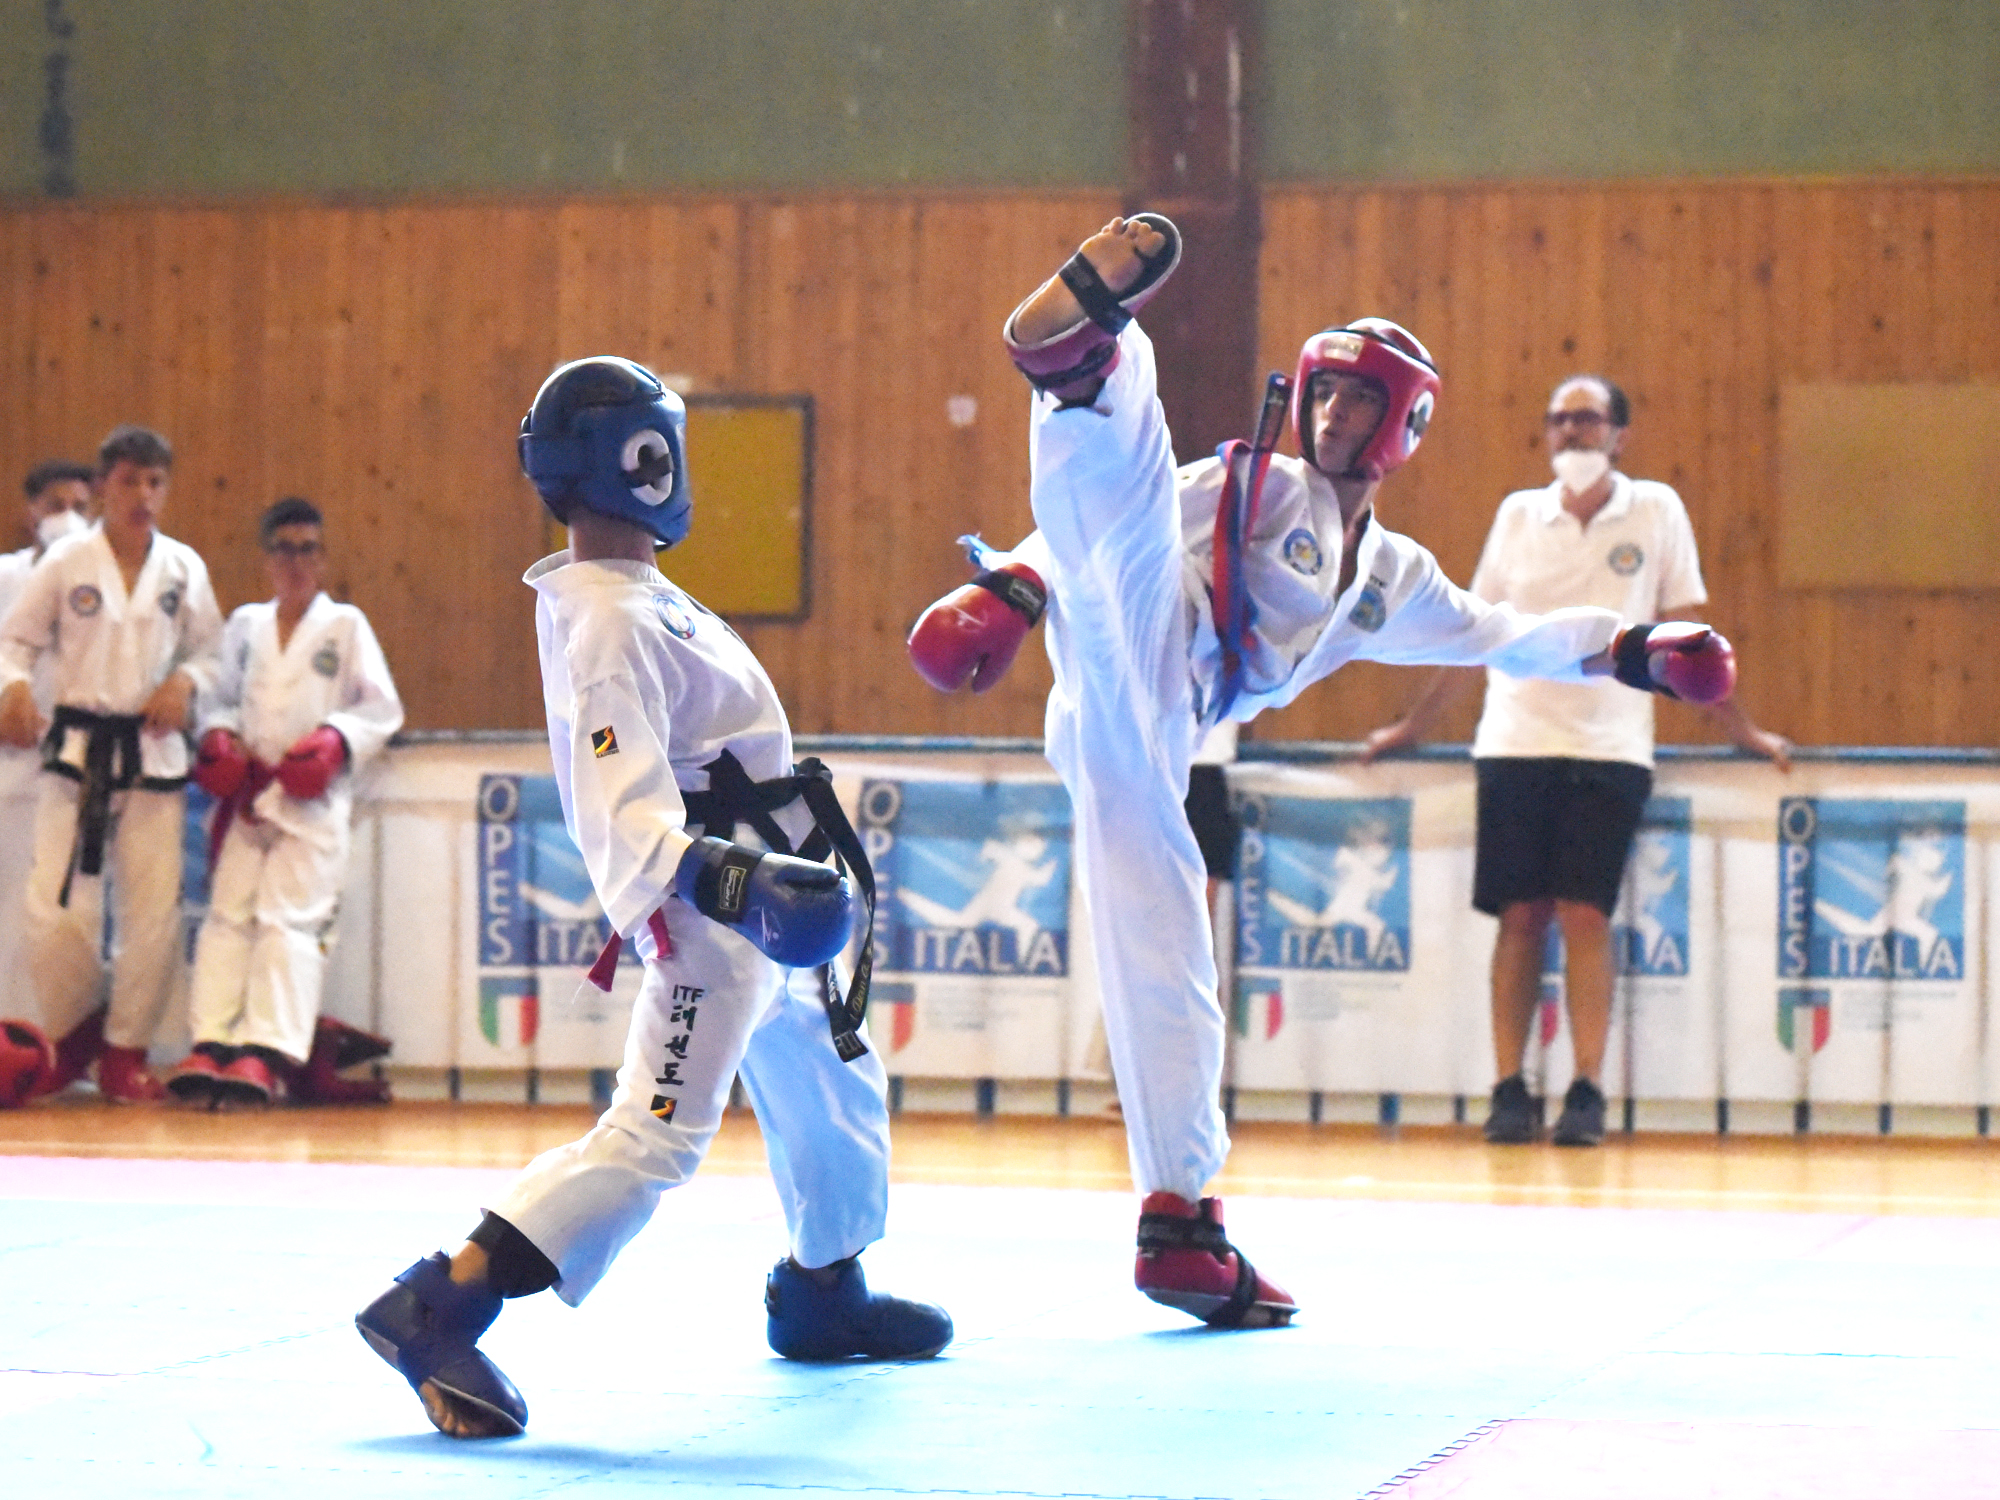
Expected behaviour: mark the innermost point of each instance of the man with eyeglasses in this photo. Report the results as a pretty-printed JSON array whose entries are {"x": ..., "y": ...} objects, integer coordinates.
[
  {"x": 1564, "y": 769},
  {"x": 304, "y": 698}
]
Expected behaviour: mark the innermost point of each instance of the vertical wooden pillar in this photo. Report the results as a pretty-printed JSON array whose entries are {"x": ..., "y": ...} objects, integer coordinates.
[{"x": 1192, "y": 155}]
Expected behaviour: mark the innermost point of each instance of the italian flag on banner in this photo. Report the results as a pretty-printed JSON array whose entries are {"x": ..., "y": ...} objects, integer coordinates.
[
  {"x": 509, "y": 1011},
  {"x": 1260, "y": 1008}
]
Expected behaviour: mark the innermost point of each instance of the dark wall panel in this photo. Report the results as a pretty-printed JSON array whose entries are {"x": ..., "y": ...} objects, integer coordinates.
[
  {"x": 385, "y": 96},
  {"x": 1427, "y": 90}
]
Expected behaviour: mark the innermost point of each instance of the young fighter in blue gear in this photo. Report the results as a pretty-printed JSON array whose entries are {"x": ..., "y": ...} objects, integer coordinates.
[
  {"x": 663, "y": 727},
  {"x": 1176, "y": 600}
]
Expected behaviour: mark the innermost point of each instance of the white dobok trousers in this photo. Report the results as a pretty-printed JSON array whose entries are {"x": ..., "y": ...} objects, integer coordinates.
[
  {"x": 1121, "y": 731},
  {"x": 260, "y": 961},
  {"x": 825, "y": 1123},
  {"x": 65, "y": 944}
]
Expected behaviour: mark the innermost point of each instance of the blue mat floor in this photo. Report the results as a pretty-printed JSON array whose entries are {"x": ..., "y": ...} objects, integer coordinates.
[{"x": 185, "y": 1329}]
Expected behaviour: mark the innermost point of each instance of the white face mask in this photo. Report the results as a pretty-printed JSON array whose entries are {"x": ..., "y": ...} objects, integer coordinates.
[
  {"x": 53, "y": 527},
  {"x": 1580, "y": 468}
]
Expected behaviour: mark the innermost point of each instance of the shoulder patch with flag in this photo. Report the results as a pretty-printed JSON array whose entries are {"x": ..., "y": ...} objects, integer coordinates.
[{"x": 603, "y": 742}]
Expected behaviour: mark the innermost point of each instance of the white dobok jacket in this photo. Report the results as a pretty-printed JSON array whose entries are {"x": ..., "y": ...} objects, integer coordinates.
[
  {"x": 107, "y": 649},
  {"x": 330, "y": 671},
  {"x": 643, "y": 688}
]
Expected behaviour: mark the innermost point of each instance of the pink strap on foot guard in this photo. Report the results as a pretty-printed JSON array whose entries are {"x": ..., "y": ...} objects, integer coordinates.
[{"x": 1090, "y": 350}]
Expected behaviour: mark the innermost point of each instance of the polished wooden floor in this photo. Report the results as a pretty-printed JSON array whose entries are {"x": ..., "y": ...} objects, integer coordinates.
[{"x": 1437, "y": 1164}]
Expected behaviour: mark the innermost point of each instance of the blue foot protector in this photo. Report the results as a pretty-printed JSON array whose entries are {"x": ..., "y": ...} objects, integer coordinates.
[
  {"x": 426, "y": 1325},
  {"x": 810, "y": 1321}
]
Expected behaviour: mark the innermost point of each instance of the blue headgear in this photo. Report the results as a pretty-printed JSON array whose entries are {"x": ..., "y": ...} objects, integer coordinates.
[{"x": 605, "y": 434}]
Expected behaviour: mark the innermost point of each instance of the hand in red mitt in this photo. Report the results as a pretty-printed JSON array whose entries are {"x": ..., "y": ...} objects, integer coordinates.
[
  {"x": 972, "y": 633},
  {"x": 1678, "y": 659},
  {"x": 221, "y": 763},
  {"x": 309, "y": 766}
]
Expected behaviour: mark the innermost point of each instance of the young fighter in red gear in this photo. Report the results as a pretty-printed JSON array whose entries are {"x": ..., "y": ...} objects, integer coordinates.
[
  {"x": 304, "y": 698},
  {"x": 1176, "y": 599}
]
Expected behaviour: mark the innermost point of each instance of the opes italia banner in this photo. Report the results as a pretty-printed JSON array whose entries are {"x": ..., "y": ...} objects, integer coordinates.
[
  {"x": 1818, "y": 937},
  {"x": 976, "y": 969}
]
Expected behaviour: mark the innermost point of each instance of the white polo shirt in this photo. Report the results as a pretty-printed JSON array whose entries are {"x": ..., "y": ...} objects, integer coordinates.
[{"x": 1637, "y": 556}]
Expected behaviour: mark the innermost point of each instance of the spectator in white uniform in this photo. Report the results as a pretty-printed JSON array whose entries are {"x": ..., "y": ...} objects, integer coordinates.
[
  {"x": 1564, "y": 769},
  {"x": 302, "y": 702},
  {"x": 58, "y": 501},
  {"x": 127, "y": 620}
]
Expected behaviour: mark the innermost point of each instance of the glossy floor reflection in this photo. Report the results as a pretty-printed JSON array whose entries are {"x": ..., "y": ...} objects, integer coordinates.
[{"x": 183, "y": 1327}]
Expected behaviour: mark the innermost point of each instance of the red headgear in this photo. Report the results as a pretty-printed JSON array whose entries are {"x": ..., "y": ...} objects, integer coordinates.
[{"x": 1390, "y": 356}]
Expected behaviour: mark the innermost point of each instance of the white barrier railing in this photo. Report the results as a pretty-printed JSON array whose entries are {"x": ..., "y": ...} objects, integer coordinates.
[{"x": 1802, "y": 951}]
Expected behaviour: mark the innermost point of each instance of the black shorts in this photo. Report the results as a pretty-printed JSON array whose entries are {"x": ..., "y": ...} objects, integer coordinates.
[
  {"x": 1213, "y": 818},
  {"x": 1555, "y": 828}
]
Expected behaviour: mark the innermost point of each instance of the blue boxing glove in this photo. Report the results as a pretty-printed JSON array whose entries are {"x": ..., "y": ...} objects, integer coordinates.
[{"x": 793, "y": 911}]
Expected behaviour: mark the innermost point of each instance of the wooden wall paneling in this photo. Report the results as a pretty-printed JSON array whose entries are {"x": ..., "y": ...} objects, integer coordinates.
[
  {"x": 347, "y": 487},
  {"x": 1709, "y": 264},
  {"x": 19, "y": 286},
  {"x": 377, "y": 359},
  {"x": 971, "y": 473},
  {"x": 508, "y": 528},
  {"x": 1739, "y": 546},
  {"x": 1965, "y": 333},
  {"x": 656, "y": 282},
  {"x": 1868, "y": 687},
  {"x": 803, "y": 297},
  {"x": 888, "y": 413},
  {"x": 1903, "y": 276},
  {"x": 1801, "y": 345}
]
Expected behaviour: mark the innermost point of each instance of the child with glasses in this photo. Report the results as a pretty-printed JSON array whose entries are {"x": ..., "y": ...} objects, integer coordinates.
[{"x": 303, "y": 699}]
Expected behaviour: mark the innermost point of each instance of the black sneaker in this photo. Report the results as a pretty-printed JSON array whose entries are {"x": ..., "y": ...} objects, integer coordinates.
[
  {"x": 1513, "y": 1119},
  {"x": 1582, "y": 1120}
]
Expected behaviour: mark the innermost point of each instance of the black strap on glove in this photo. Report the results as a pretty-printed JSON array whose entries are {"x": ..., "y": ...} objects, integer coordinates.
[
  {"x": 732, "y": 797},
  {"x": 1023, "y": 595},
  {"x": 1631, "y": 663}
]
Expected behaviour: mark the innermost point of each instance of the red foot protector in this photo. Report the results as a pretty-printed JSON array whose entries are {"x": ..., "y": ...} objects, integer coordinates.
[
  {"x": 1089, "y": 351},
  {"x": 247, "y": 1081},
  {"x": 192, "y": 1080},
  {"x": 1187, "y": 1262},
  {"x": 27, "y": 1061},
  {"x": 336, "y": 1045},
  {"x": 123, "y": 1078}
]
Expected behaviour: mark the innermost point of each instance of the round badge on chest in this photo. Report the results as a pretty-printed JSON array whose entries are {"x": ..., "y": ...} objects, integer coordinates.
[
  {"x": 1302, "y": 553},
  {"x": 1626, "y": 559}
]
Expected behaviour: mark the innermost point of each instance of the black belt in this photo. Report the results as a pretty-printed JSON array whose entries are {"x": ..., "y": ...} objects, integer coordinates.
[
  {"x": 110, "y": 764},
  {"x": 732, "y": 798}
]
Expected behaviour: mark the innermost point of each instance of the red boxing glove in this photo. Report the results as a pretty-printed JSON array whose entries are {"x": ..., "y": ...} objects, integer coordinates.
[
  {"x": 1679, "y": 659},
  {"x": 309, "y": 766},
  {"x": 972, "y": 633},
  {"x": 220, "y": 765}
]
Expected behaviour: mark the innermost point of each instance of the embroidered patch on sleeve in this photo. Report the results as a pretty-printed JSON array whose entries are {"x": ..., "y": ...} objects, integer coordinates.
[
  {"x": 603, "y": 742},
  {"x": 663, "y": 1107}
]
